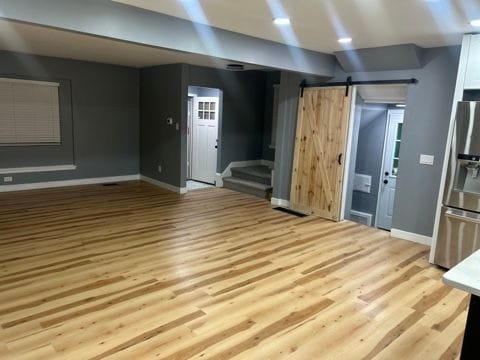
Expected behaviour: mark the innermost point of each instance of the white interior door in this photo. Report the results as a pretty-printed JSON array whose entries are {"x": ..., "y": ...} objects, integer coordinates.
[
  {"x": 388, "y": 180},
  {"x": 205, "y": 135},
  {"x": 191, "y": 106}
]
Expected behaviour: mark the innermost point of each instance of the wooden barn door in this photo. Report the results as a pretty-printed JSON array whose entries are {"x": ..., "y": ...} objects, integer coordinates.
[{"x": 320, "y": 145}]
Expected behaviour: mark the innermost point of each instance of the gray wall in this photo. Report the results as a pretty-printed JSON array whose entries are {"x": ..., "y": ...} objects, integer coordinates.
[
  {"x": 99, "y": 114},
  {"x": 369, "y": 156},
  {"x": 426, "y": 124},
  {"x": 243, "y": 105},
  {"x": 163, "y": 94},
  {"x": 273, "y": 78}
]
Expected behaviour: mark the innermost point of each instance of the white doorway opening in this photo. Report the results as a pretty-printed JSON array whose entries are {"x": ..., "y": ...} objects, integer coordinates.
[
  {"x": 373, "y": 155},
  {"x": 204, "y": 114}
]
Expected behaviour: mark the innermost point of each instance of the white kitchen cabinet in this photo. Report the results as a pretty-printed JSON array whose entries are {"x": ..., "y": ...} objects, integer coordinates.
[{"x": 472, "y": 78}]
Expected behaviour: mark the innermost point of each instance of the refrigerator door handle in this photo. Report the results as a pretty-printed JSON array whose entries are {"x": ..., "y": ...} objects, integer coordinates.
[{"x": 451, "y": 214}]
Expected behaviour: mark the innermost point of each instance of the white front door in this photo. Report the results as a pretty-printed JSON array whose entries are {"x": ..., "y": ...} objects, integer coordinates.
[
  {"x": 388, "y": 179},
  {"x": 205, "y": 135}
]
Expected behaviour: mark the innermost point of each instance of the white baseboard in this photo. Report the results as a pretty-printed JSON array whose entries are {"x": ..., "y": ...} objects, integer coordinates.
[
  {"x": 417, "y": 238},
  {"x": 218, "y": 180},
  {"x": 280, "y": 202},
  {"x": 31, "y": 169},
  {"x": 163, "y": 185},
  {"x": 63, "y": 183}
]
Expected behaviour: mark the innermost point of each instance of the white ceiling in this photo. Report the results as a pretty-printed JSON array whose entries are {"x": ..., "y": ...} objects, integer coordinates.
[
  {"x": 45, "y": 41},
  {"x": 317, "y": 24},
  {"x": 383, "y": 94}
]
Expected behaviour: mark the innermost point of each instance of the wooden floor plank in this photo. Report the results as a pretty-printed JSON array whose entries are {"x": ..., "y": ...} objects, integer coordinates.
[{"x": 136, "y": 272}]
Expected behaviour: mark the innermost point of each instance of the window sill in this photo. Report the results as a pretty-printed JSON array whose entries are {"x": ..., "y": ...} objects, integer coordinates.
[{"x": 25, "y": 170}]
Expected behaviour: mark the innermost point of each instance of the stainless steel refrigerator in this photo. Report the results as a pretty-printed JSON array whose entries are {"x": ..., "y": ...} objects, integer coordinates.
[{"x": 459, "y": 231}]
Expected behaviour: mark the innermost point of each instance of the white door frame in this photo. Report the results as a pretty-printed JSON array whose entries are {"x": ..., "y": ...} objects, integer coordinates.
[
  {"x": 197, "y": 171},
  {"x": 348, "y": 156},
  {"x": 190, "y": 136},
  {"x": 385, "y": 140}
]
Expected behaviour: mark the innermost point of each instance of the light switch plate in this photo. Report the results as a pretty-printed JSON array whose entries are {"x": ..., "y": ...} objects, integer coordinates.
[
  {"x": 177, "y": 126},
  {"x": 427, "y": 159}
]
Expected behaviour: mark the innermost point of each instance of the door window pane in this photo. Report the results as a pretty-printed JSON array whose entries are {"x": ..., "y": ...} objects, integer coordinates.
[
  {"x": 399, "y": 131},
  {"x": 200, "y": 105},
  {"x": 396, "y": 149}
]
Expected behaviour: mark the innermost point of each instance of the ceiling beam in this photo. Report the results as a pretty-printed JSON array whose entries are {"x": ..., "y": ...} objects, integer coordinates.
[{"x": 104, "y": 18}]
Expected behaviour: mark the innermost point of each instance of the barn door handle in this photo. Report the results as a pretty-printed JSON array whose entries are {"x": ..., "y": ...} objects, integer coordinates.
[{"x": 340, "y": 159}]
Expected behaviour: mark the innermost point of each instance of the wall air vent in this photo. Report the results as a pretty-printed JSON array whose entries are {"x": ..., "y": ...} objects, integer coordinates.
[{"x": 235, "y": 67}]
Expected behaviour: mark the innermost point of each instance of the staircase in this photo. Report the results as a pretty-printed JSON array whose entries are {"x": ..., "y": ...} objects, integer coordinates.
[{"x": 254, "y": 180}]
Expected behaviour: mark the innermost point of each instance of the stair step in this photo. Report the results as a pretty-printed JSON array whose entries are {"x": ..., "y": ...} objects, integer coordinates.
[
  {"x": 261, "y": 174},
  {"x": 248, "y": 187}
]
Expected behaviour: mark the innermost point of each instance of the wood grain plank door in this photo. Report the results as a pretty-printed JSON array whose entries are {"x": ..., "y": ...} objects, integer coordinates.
[{"x": 320, "y": 145}]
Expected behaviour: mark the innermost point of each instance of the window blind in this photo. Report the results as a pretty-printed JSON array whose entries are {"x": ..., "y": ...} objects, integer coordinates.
[{"x": 29, "y": 112}]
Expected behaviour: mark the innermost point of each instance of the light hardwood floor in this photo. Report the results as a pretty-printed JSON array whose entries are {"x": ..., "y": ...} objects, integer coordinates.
[{"x": 135, "y": 272}]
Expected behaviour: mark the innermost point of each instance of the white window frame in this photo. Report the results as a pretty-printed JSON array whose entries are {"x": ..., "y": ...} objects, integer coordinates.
[{"x": 43, "y": 110}]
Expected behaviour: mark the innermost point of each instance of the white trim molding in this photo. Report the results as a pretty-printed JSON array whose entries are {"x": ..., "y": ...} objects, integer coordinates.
[
  {"x": 163, "y": 185},
  {"x": 32, "y": 169},
  {"x": 417, "y": 238},
  {"x": 218, "y": 180},
  {"x": 64, "y": 183},
  {"x": 280, "y": 202}
]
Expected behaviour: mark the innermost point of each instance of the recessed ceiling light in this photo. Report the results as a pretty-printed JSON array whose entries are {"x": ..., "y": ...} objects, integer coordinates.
[
  {"x": 345, "y": 40},
  {"x": 475, "y": 22},
  {"x": 281, "y": 21}
]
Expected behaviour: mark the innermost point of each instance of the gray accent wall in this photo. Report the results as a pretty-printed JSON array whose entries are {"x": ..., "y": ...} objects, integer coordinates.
[
  {"x": 426, "y": 125},
  {"x": 99, "y": 115},
  {"x": 272, "y": 79},
  {"x": 243, "y": 107},
  {"x": 108, "y": 19},
  {"x": 164, "y": 94},
  {"x": 396, "y": 57}
]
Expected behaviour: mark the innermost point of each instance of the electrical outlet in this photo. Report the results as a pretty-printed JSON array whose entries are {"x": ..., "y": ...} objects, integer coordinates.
[
  {"x": 159, "y": 168},
  {"x": 7, "y": 179},
  {"x": 427, "y": 159}
]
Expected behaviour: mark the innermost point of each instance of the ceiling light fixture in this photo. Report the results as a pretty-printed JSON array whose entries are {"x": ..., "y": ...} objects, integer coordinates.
[
  {"x": 345, "y": 40},
  {"x": 475, "y": 22},
  {"x": 400, "y": 105},
  {"x": 281, "y": 21}
]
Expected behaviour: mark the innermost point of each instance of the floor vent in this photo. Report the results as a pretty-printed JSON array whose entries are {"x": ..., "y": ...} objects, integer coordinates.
[
  {"x": 291, "y": 212},
  {"x": 110, "y": 184},
  {"x": 361, "y": 217}
]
